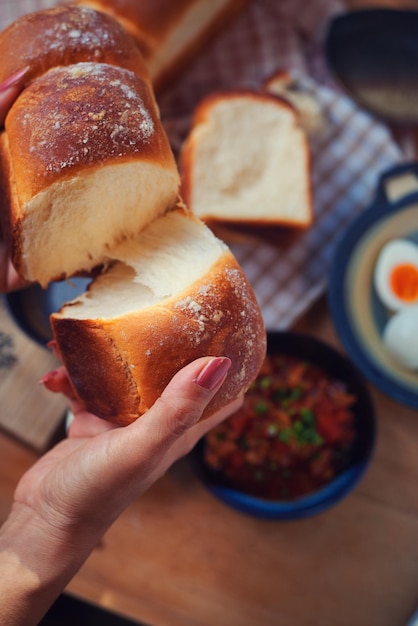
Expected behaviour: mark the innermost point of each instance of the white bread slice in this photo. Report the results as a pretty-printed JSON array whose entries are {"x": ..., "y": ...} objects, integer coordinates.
[
  {"x": 85, "y": 164},
  {"x": 169, "y": 33},
  {"x": 173, "y": 295},
  {"x": 246, "y": 161}
]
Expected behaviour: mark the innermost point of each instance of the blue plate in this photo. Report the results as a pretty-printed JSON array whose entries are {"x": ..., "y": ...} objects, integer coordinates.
[
  {"x": 358, "y": 314},
  {"x": 339, "y": 367}
]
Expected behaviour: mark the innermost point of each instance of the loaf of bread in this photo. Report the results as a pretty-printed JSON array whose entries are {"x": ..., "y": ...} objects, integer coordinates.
[
  {"x": 88, "y": 181},
  {"x": 174, "y": 294},
  {"x": 85, "y": 163},
  {"x": 246, "y": 161},
  {"x": 66, "y": 35},
  {"x": 169, "y": 32}
]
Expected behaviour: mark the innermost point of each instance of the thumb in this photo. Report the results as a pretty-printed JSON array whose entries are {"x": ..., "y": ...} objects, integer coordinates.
[
  {"x": 183, "y": 401},
  {"x": 141, "y": 452},
  {"x": 148, "y": 443}
]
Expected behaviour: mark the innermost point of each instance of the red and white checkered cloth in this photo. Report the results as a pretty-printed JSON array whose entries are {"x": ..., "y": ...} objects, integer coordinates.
[{"x": 346, "y": 160}]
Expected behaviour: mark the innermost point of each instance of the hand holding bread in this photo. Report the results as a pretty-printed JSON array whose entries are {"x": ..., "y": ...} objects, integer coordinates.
[
  {"x": 85, "y": 163},
  {"x": 64, "y": 504},
  {"x": 89, "y": 182}
]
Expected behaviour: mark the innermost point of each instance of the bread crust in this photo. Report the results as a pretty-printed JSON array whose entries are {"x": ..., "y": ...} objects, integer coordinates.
[
  {"x": 153, "y": 23},
  {"x": 67, "y": 124},
  {"x": 188, "y": 156},
  {"x": 82, "y": 116},
  {"x": 66, "y": 35},
  {"x": 120, "y": 366}
]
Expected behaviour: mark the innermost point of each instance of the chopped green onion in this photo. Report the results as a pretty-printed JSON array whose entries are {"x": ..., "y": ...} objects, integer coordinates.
[
  {"x": 298, "y": 427},
  {"x": 307, "y": 416},
  {"x": 272, "y": 430},
  {"x": 285, "y": 434},
  {"x": 261, "y": 407},
  {"x": 317, "y": 439},
  {"x": 295, "y": 393}
]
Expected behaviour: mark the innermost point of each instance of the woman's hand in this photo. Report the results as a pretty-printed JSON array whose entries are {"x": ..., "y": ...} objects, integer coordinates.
[
  {"x": 9, "y": 278},
  {"x": 65, "y": 503},
  {"x": 90, "y": 477},
  {"x": 9, "y": 90}
]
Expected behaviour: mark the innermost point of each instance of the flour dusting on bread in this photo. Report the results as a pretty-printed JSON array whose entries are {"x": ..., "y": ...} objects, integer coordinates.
[
  {"x": 174, "y": 294},
  {"x": 89, "y": 183}
]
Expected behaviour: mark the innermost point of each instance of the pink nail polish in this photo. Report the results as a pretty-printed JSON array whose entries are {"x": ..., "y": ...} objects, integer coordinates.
[
  {"x": 48, "y": 377},
  {"x": 14, "y": 79},
  {"x": 213, "y": 373}
]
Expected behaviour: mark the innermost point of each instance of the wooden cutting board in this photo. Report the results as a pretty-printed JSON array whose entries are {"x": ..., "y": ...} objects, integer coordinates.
[{"x": 28, "y": 411}]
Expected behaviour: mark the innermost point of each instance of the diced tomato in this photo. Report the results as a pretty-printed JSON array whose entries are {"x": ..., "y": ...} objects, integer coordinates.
[{"x": 292, "y": 435}]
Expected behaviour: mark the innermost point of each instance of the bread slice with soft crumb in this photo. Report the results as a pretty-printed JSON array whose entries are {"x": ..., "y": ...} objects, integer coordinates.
[
  {"x": 84, "y": 163},
  {"x": 246, "y": 161},
  {"x": 173, "y": 295}
]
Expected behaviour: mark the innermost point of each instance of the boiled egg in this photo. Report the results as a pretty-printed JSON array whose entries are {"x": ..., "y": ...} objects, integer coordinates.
[
  {"x": 396, "y": 274},
  {"x": 400, "y": 336}
]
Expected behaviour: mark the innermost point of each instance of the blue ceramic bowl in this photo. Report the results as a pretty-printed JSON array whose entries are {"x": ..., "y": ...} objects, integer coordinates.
[
  {"x": 359, "y": 315},
  {"x": 339, "y": 367},
  {"x": 31, "y": 307}
]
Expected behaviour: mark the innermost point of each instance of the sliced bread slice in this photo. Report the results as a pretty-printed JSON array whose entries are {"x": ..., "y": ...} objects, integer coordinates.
[
  {"x": 84, "y": 164},
  {"x": 247, "y": 161},
  {"x": 175, "y": 294}
]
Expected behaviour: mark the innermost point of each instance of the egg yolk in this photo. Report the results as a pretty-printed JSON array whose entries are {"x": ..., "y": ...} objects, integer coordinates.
[{"x": 404, "y": 282}]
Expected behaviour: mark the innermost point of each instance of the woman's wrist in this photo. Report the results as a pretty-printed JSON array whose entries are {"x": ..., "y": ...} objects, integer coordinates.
[{"x": 36, "y": 563}]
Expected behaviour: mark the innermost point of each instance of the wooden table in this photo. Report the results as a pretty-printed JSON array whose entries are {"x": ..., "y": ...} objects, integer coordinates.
[{"x": 179, "y": 557}]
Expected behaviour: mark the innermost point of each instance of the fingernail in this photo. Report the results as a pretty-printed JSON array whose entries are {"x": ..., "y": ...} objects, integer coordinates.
[
  {"x": 52, "y": 345},
  {"x": 213, "y": 373},
  {"x": 13, "y": 79},
  {"x": 48, "y": 377}
]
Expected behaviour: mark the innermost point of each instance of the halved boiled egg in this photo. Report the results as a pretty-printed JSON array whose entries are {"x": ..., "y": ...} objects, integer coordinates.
[
  {"x": 400, "y": 337},
  {"x": 396, "y": 274}
]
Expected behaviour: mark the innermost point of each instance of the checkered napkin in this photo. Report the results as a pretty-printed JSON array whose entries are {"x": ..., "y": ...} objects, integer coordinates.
[{"x": 347, "y": 157}]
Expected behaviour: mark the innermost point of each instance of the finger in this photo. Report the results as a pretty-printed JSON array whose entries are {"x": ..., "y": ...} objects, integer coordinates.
[
  {"x": 187, "y": 442},
  {"x": 58, "y": 381},
  {"x": 122, "y": 463},
  {"x": 86, "y": 425},
  {"x": 9, "y": 278},
  {"x": 203, "y": 427},
  {"x": 144, "y": 444},
  {"x": 6, "y": 100},
  {"x": 184, "y": 400},
  {"x": 9, "y": 91}
]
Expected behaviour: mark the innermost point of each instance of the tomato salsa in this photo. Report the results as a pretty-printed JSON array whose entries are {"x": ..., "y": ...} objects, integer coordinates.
[{"x": 294, "y": 433}]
